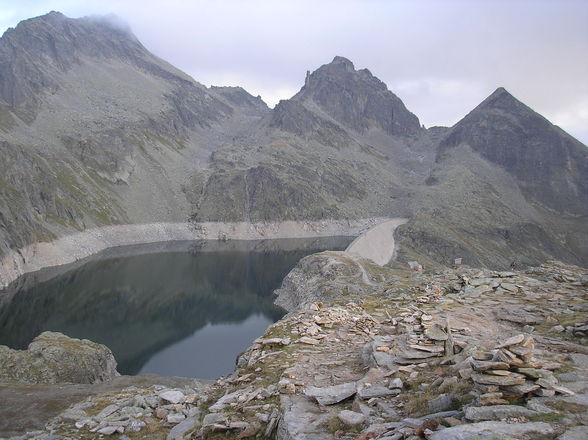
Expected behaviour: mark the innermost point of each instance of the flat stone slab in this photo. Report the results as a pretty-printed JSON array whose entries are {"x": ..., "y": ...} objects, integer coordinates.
[
  {"x": 179, "y": 431},
  {"x": 575, "y": 433},
  {"x": 376, "y": 390},
  {"x": 579, "y": 399},
  {"x": 488, "y": 379},
  {"x": 417, "y": 354},
  {"x": 333, "y": 394},
  {"x": 497, "y": 412},
  {"x": 436, "y": 333},
  {"x": 173, "y": 396},
  {"x": 351, "y": 417},
  {"x": 493, "y": 431},
  {"x": 489, "y": 365},
  {"x": 302, "y": 419},
  {"x": 512, "y": 341}
]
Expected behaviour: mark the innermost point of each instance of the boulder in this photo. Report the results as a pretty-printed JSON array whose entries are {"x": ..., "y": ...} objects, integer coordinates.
[
  {"x": 174, "y": 419},
  {"x": 55, "y": 358},
  {"x": 351, "y": 418},
  {"x": 333, "y": 394},
  {"x": 436, "y": 333},
  {"x": 173, "y": 396},
  {"x": 440, "y": 403}
]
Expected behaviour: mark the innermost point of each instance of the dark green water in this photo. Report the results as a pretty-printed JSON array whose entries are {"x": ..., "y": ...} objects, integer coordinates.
[{"x": 179, "y": 309}]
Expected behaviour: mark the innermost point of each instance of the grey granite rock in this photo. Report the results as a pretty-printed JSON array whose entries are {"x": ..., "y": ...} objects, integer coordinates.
[
  {"x": 440, "y": 403},
  {"x": 179, "y": 431},
  {"x": 575, "y": 433},
  {"x": 493, "y": 430},
  {"x": 56, "y": 358},
  {"x": 497, "y": 412},
  {"x": 332, "y": 394},
  {"x": 351, "y": 418}
]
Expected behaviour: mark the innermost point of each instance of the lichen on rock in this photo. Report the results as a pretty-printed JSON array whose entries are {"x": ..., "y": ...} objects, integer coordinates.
[{"x": 56, "y": 358}]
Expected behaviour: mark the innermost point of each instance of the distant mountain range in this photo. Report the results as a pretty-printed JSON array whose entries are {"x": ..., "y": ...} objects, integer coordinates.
[{"x": 95, "y": 130}]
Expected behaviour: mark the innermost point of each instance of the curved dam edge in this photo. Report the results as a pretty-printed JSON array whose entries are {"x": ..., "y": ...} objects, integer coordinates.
[
  {"x": 304, "y": 284},
  {"x": 74, "y": 247},
  {"x": 377, "y": 244}
]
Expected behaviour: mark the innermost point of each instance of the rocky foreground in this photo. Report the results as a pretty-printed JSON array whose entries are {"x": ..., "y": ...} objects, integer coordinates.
[{"x": 383, "y": 353}]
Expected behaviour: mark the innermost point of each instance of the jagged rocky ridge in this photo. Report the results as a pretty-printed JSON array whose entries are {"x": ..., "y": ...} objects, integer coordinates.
[{"x": 95, "y": 130}]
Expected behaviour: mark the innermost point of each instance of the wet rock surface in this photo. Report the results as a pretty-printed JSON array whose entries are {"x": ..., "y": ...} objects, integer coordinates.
[{"x": 414, "y": 356}]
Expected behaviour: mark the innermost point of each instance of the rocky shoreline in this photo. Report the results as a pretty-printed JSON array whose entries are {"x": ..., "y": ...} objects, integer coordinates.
[
  {"x": 77, "y": 246},
  {"x": 457, "y": 354}
]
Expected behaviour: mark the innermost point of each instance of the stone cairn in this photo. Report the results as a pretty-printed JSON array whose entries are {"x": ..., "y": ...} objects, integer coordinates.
[
  {"x": 423, "y": 341},
  {"x": 511, "y": 372}
]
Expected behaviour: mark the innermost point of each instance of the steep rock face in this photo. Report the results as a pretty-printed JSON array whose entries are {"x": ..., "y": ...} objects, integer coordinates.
[
  {"x": 550, "y": 166},
  {"x": 476, "y": 210},
  {"x": 304, "y": 162},
  {"x": 95, "y": 130},
  {"x": 310, "y": 160},
  {"x": 508, "y": 188},
  {"x": 295, "y": 118},
  {"x": 357, "y": 99},
  {"x": 55, "y": 358}
]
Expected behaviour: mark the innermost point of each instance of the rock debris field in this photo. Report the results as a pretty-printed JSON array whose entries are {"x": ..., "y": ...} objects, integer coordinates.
[{"x": 459, "y": 354}]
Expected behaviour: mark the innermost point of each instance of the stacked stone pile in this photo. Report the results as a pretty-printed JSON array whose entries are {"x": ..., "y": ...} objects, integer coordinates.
[
  {"x": 511, "y": 372},
  {"x": 420, "y": 339}
]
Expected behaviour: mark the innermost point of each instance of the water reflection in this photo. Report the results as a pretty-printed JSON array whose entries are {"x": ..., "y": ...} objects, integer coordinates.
[{"x": 182, "y": 309}]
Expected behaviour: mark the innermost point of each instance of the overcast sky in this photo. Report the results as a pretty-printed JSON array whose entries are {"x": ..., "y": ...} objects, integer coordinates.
[{"x": 440, "y": 57}]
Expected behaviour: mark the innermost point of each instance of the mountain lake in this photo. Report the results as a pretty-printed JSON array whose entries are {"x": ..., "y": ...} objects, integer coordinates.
[{"x": 174, "y": 309}]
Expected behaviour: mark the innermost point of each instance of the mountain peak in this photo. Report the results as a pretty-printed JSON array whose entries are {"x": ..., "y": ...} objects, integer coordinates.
[
  {"x": 26, "y": 26},
  {"x": 549, "y": 163},
  {"x": 499, "y": 91},
  {"x": 38, "y": 50},
  {"x": 342, "y": 62},
  {"x": 51, "y": 15},
  {"x": 356, "y": 99},
  {"x": 58, "y": 23},
  {"x": 502, "y": 101}
]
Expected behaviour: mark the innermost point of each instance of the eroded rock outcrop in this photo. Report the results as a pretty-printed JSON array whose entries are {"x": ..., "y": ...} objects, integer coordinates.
[{"x": 55, "y": 358}]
